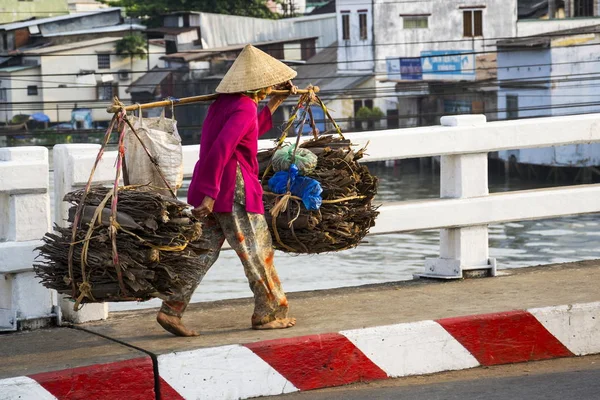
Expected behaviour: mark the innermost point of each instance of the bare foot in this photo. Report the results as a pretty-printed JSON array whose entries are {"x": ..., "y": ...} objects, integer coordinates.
[
  {"x": 174, "y": 325},
  {"x": 280, "y": 323}
]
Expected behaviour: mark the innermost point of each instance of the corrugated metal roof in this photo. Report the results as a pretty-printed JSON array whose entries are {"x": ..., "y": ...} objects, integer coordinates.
[
  {"x": 104, "y": 29},
  {"x": 41, "y": 21},
  {"x": 218, "y": 30},
  {"x": 171, "y": 30},
  {"x": 321, "y": 70},
  {"x": 148, "y": 82},
  {"x": 545, "y": 39}
]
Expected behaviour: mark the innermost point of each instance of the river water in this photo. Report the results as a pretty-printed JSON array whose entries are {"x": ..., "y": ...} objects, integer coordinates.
[{"x": 395, "y": 257}]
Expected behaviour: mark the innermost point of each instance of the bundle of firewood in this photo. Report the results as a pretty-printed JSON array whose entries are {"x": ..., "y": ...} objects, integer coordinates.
[
  {"x": 346, "y": 213},
  {"x": 154, "y": 253}
]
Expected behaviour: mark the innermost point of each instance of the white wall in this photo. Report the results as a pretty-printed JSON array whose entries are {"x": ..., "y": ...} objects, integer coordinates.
[
  {"x": 515, "y": 66},
  {"x": 575, "y": 71},
  {"x": 355, "y": 54},
  {"x": 85, "y": 95}
]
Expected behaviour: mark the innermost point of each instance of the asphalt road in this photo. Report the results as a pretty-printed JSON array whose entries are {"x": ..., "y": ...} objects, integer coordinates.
[{"x": 563, "y": 379}]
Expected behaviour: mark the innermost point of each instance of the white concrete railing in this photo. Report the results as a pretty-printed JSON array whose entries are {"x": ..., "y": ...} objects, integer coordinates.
[
  {"x": 465, "y": 207},
  {"x": 24, "y": 219}
]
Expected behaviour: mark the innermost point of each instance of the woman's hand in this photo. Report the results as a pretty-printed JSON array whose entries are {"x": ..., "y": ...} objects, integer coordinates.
[
  {"x": 277, "y": 99},
  {"x": 205, "y": 208}
]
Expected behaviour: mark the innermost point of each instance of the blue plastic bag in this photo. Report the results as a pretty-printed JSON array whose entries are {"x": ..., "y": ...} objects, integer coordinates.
[{"x": 308, "y": 189}]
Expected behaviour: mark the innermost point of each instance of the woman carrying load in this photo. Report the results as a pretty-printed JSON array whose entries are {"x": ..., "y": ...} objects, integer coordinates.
[{"x": 227, "y": 194}]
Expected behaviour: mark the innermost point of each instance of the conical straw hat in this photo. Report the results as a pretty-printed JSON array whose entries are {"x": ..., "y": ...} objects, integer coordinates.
[{"x": 254, "y": 69}]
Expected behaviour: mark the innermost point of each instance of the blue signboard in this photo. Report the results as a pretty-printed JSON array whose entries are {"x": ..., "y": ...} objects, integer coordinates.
[
  {"x": 448, "y": 62},
  {"x": 411, "y": 69},
  {"x": 393, "y": 67}
]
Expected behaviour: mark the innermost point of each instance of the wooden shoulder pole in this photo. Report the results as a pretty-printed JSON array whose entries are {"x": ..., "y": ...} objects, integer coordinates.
[{"x": 116, "y": 105}]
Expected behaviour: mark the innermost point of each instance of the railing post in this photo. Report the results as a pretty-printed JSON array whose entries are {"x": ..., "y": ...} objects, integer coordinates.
[
  {"x": 25, "y": 218},
  {"x": 464, "y": 251},
  {"x": 68, "y": 175}
]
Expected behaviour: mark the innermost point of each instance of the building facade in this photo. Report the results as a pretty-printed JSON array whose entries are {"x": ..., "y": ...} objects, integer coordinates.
[
  {"x": 190, "y": 29},
  {"x": 17, "y": 10},
  {"x": 550, "y": 75},
  {"x": 410, "y": 47},
  {"x": 89, "y": 72}
]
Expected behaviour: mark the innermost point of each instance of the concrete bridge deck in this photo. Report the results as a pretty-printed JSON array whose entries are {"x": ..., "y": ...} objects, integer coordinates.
[{"x": 318, "y": 312}]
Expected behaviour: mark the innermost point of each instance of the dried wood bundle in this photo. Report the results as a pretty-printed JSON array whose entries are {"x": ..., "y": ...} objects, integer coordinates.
[
  {"x": 347, "y": 211},
  {"x": 156, "y": 241}
]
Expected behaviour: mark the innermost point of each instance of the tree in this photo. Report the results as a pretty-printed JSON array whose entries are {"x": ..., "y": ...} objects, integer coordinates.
[
  {"x": 152, "y": 10},
  {"x": 131, "y": 46}
]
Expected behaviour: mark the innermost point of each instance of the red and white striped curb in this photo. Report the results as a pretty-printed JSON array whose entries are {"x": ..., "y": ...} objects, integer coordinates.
[{"x": 309, "y": 362}]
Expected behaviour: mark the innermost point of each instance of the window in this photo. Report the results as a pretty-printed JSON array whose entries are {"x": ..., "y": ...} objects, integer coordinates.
[
  {"x": 583, "y": 8},
  {"x": 3, "y": 95},
  {"x": 512, "y": 106},
  {"x": 472, "y": 23},
  {"x": 346, "y": 26},
  {"x": 362, "y": 23},
  {"x": 103, "y": 61},
  {"x": 415, "y": 22},
  {"x": 32, "y": 90},
  {"x": 171, "y": 46},
  {"x": 106, "y": 91}
]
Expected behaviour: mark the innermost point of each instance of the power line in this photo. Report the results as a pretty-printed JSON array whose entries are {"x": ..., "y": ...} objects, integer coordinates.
[
  {"x": 32, "y": 106},
  {"x": 278, "y": 125},
  {"x": 532, "y": 79},
  {"x": 488, "y": 111},
  {"x": 185, "y": 71},
  {"x": 361, "y": 93}
]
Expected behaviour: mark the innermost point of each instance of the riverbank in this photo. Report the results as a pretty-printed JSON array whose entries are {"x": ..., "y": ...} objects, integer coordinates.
[{"x": 338, "y": 339}]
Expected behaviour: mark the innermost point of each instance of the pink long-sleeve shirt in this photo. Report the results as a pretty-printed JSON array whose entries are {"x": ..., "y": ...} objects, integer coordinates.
[{"x": 229, "y": 137}]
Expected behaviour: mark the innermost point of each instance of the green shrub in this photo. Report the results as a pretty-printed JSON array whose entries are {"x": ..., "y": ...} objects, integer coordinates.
[{"x": 369, "y": 113}]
